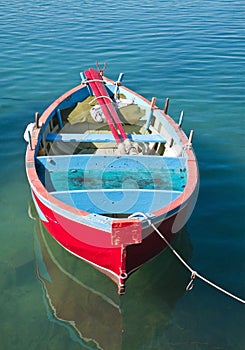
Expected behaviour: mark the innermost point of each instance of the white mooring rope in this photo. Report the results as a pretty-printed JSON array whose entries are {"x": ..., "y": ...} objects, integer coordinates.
[{"x": 194, "y": 273}]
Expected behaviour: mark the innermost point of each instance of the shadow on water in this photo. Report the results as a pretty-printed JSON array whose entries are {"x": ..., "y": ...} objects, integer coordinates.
[{"x": 84, "y": 300}]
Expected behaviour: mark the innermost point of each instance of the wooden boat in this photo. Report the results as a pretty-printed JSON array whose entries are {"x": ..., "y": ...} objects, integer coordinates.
[{"x": 104, "y": 164}]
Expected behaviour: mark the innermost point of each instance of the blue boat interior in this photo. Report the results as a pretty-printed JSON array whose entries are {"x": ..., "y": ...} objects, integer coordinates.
[
  {"x": 113, "y": 184},
  {"x": 82, "y": 165},
  {"x": 117, "y": 201}
]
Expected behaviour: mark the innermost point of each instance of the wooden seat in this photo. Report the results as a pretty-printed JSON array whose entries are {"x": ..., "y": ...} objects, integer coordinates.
[
  {"x": 101, "y": 138},
  {"x": 125, "y": 201}
]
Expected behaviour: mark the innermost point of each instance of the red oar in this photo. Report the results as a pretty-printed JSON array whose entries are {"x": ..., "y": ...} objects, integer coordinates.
[
  {"x": 103, "y": 103},
  {"x": 103, "y": 92}
]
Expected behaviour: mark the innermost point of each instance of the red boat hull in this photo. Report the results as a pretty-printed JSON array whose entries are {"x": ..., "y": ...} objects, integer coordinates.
[
  {"x": 89, "y": 235},
  {"x": 117, "y": 262}
]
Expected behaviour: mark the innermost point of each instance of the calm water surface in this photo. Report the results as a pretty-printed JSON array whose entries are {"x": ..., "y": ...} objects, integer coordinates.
[{"x": 190, "y": 51}]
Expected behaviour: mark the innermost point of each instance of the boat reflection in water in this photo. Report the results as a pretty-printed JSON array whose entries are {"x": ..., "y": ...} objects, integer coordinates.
[{"x": 87, "y": 302}]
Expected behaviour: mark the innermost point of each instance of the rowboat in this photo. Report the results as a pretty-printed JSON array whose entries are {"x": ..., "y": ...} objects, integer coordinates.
[{"x": 106, "y": 167}]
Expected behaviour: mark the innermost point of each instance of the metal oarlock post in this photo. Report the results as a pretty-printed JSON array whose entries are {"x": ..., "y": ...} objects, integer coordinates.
[
  {"x": 181, "y": 118},
  {"x": 153, "y": 103},
  {"x": 37, "y": 120},
  {"x": 189, "y": 144},
  {"x": 83, "y": 78},
  {"x": 101, "y": 71},
  {"x": 59, "y": 119},
  {"x": 30, "y": 141},
  {"x": 118, "y": 83},
  {"x": 165, "y": 110}
]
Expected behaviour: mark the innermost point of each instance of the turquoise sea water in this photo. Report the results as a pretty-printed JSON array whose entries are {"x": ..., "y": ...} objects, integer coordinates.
[{"x": 190, "y": 51}]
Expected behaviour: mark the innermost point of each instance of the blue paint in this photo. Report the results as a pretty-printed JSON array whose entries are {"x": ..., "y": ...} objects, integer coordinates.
[
  {"x": 101, "y": 138},
  {"x": 117, "y": 201},
  {"x": 149, "y": 179},
  {"x": 97, "y": 162},
  {"x": 83, "y": 172},
  {"x": 149, "y": 120},
  {"x": 59, "y": 118},
  {"x": 116, "y": 184}
]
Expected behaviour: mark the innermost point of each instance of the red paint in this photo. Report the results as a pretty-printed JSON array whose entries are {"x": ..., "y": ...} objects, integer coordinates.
[
  {"x": 102, "y": 102},
  {"x": 126, "y": 231},
  {"x": 152, "y": 245},
  {"x": 114, "y": 261},
  {"x": 100, "y": 90},
  {"x": 110, "y": 106},
  {"x": 69, "y": 234}
]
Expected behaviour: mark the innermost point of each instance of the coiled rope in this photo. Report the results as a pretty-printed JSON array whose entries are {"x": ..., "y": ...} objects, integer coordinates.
[{"x": 194, "y": 273}]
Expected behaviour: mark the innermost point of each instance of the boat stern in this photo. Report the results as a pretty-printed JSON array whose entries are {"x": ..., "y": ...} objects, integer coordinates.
[{"x": 125, "y": 232}]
